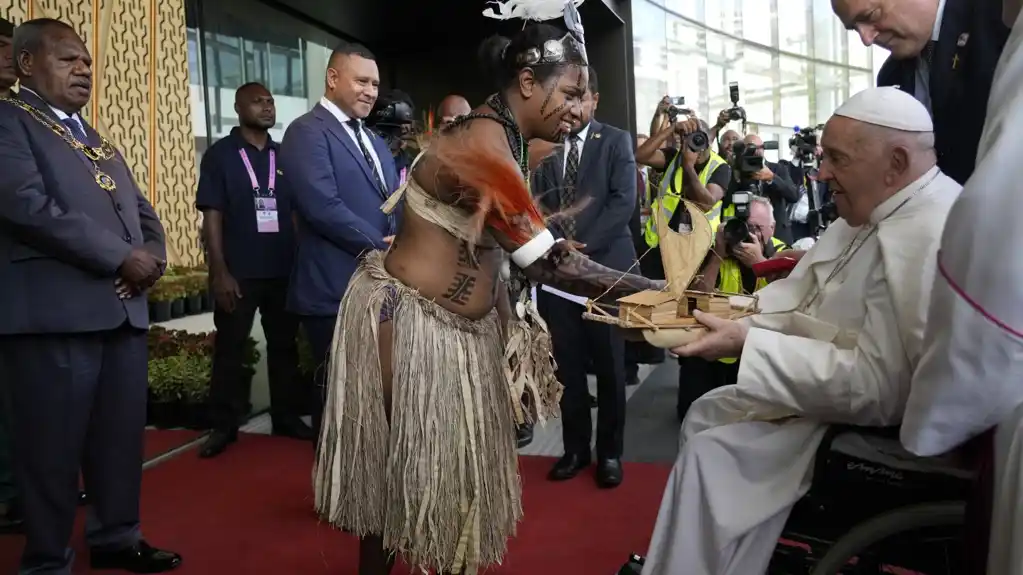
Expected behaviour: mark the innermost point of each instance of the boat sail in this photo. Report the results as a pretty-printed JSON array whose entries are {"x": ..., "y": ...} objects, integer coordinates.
[{"x": 665, "y": 318}]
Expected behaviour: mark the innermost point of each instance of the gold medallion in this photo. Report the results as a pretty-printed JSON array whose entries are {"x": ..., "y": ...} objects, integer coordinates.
[{"x": 105, "y": 181}]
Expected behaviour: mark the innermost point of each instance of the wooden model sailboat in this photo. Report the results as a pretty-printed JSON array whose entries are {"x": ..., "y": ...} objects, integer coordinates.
[{"x": 665, "y": 318}]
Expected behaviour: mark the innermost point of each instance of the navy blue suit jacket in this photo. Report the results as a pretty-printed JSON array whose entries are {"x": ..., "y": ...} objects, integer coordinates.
[
  {"x": 960, "y": 80},
  {"x": 337, "y": 202},
  {"x": 606, "y": 182},
  {"x": 62, "y": 237}
]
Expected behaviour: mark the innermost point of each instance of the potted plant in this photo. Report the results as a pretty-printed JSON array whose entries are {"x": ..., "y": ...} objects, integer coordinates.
[
  {"x": 161, "y": 299},
  {"x": 178, "y": 390},
  {"x": 194, "y": 285},
  {"x": 176, "y": 288}
]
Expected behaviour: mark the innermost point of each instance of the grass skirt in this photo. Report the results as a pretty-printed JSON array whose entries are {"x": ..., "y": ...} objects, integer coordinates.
[{"x": 440, "y": 484}]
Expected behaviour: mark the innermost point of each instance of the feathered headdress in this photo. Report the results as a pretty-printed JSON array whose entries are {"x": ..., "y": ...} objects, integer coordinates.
[{"x": 541, "y": 10}]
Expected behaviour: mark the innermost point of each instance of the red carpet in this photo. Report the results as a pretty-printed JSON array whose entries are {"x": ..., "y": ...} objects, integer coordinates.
[
  {"x": 249, "y": 511},
  {"x": 160, "y": 441}
]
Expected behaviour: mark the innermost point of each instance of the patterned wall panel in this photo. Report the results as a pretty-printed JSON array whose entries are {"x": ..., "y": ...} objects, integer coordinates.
[{"x": 140, "y": 98}]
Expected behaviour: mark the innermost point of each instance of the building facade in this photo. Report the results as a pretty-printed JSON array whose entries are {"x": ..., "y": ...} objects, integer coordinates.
[{"x": 793, "y": 60}]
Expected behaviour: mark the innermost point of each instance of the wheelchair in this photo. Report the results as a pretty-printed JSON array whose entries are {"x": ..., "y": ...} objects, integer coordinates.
[{"x": 874, "y": 508}]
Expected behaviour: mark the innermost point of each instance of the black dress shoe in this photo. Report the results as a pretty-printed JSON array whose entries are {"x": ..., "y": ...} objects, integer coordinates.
[
  {"x": 569, "y": 466},
  {"x": 593, "y": 402},
  {"x": 294, "y": 428},
  {"x": 633, "y": 567},
  {"x": 139, "y": 558},
  {"x": 11, "y": 521},
  {"x": 609, "y": 473},
  {"x": 217, "y": 442},
  {"x": 523, "y": 435},
  {"x": 632, "y": 379}
]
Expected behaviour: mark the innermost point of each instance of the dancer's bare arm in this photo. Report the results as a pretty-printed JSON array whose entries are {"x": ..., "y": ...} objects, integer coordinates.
[{"x": 565, "y": 268}]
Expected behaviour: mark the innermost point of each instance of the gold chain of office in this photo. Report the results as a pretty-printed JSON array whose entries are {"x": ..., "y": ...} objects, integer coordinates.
[{"x": 104, "y": 151}]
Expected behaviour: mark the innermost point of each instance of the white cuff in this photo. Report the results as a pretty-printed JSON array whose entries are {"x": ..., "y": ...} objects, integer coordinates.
[{"x": 534, "y": 249}]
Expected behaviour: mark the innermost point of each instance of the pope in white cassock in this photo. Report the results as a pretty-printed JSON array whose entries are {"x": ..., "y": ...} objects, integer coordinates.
[
  {"x": 835, "y": 342},
  {"x": 971, "y": 375}
]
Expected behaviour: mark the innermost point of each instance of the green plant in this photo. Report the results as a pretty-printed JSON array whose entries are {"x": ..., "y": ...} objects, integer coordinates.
[
  {"x": 251, "y": 355},
  {"x": 166, "y": 289},
  {"x": 195, "y": 283},
  {"x": 184, "y": 378}
]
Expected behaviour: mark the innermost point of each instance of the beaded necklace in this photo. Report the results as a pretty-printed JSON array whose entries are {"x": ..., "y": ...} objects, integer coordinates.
[{"x": 519, "y": 146}]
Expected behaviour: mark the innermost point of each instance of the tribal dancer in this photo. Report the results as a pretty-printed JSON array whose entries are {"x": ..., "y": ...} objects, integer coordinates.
[{"x": 417, "y": 450}]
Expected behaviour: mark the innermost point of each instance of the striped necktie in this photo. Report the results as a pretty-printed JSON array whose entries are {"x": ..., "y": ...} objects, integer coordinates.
[
  {"x": 76, "y": 130},
  {"x": 356, "y": 127},
  {"x": 568, "y": 186}
]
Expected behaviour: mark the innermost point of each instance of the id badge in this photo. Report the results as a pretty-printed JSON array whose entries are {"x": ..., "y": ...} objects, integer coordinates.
[{"x": 266, "y": 216}]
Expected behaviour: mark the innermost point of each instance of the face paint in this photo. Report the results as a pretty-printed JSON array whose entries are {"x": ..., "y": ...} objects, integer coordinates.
[{"x": 550, "y": 94}]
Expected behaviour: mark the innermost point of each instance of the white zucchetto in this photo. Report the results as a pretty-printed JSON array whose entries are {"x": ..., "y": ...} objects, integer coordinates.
[{"x": 887, "y": 107}]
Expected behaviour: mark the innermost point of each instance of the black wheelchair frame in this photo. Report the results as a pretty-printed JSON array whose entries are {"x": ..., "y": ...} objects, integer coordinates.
[{"x": 881, "y": 492}]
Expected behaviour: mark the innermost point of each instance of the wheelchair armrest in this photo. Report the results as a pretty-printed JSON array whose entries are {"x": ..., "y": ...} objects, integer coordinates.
[{"x": 821, "y": 461}]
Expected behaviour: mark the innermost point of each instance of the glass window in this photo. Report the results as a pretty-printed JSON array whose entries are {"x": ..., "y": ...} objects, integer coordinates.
[
  {"x": 756, "y": 84},
  {"x": 687, "y": 62},
  {"x": 723, "y": 15},
  {"x": 688, "y": 8},
  {"x": 756, "y": 21},
  {"x": 650, "y": 45},
  {"x": 828, "y": 33},
  {"x": 859, "y": 81},
  {"x": 793, "y": 16},
  {"x": 859, "y": 55},
  {"x": 878, "y": 57},
  {"x": 255, "y": 62},
  {"x": 795, "y": 93},
  {"x": 831, "y": 87}
]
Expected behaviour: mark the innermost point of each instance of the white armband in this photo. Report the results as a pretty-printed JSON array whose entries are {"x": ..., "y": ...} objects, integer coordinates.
[{"x": 534, "y": 249}]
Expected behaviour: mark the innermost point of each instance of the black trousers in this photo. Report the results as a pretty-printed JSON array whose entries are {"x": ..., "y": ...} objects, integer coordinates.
[
  {"x": 579, "y": 344},
  {"x": 79, "y": 405},
  {"x": 698, "y": 376},
  {"x": 319, "y": 330},
  {"x": 228, "y": 391}
]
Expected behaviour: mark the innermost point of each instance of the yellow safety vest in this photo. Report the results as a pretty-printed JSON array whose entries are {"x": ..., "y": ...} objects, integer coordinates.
[
  {"x": 671, "y": 198},
  {"x": 730, "y": 280}
]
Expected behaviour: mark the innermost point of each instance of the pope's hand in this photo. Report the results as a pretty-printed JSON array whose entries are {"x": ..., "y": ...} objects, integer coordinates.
[{"x": 724, "y": 338}]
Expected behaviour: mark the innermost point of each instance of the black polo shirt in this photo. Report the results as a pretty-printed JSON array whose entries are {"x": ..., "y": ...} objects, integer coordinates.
[{"x": 224, "y": 186}]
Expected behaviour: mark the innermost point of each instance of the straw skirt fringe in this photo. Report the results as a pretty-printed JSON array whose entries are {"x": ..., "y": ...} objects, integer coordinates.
[{"x": 440, "y": 484}]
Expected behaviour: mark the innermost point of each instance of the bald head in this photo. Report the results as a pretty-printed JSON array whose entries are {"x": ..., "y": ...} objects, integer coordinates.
[{"x": 450, "y": 108}]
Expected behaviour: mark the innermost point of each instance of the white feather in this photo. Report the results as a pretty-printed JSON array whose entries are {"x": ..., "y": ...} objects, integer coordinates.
[{"x": 536, "y": 10}]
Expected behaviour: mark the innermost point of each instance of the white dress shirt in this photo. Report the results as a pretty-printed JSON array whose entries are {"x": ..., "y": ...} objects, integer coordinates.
[
  {"x": 580, "y": 142},
  {"x": 344, "y": 119},
  {"x": 922, "y": 86},
  {"x": 61, "y": 115}
]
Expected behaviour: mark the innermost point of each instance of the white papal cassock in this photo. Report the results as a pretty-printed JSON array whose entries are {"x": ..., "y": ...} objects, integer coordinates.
[
  {"x": 971, "y": 375},
  {"x": 836, "y": 341}
]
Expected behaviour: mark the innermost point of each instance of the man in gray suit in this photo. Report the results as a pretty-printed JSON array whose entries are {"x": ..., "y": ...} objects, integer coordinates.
[{"x": 80, "y": 245}]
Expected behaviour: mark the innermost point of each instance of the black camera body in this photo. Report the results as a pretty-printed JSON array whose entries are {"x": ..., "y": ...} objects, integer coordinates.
[
  {"x": 677, "y": 107},
  {"x": 804, "y": 141},
  {"x": 745, "y": 163},
  {"x": 393, "y": 116},
  {"x": 736, "y": 113}
]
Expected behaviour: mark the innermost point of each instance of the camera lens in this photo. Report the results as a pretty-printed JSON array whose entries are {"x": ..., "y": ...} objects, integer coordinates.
[
  {"x": 698, "y": 141},
  {"x": 736, "y": 232}
]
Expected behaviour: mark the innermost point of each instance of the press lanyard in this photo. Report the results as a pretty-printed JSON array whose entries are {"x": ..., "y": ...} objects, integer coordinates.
[{"x": 271, "y": 180}]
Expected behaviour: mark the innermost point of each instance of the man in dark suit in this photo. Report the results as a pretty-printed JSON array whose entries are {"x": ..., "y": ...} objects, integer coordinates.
[
  {"x": 81, "y": 245},
  {"x": 339, "y": 174},
  {"x": 591, "y": 185},
  {"x": 944, "y": 53},
  {"x": 10, "y": 510}
]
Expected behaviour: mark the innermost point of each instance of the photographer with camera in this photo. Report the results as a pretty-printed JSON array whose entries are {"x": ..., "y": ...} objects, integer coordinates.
[
  {"x": 776, "y": 186},
  {"x": 694, "y": 172},
  {"x": 393, "y": 119},
  {"x": 729, "y": 268}
]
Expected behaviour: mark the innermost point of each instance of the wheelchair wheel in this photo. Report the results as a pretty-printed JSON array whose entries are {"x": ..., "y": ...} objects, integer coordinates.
[{"x": 874, "y": 530}]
